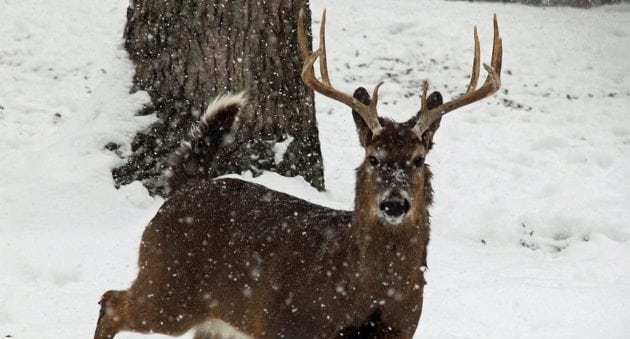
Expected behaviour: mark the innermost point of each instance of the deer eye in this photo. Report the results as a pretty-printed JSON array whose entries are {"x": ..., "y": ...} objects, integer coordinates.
[
  {"x": 373, "y": 161},
  {"x": 418, "y": 161}
]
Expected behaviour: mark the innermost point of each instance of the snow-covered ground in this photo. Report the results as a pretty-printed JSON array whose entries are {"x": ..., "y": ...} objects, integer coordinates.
[{"x": 531, "y": 224}]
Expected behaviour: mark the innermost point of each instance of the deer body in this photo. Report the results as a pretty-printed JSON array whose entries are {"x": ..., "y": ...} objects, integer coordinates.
[
  {"x": 274, "y": 266},
  {"x": 299, "y": 272}
]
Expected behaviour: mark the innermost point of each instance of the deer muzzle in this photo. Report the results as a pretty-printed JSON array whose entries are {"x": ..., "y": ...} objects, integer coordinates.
[{"x": 394, "y": 207}]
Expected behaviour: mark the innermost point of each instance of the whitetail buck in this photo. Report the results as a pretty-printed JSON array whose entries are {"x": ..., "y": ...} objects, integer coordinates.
[{"x": 226, "y": 253}]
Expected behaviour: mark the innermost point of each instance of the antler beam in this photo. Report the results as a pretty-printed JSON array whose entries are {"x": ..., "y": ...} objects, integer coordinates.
[
  {"x": 367, "y": 112},
  {"x": 489, "y": 87}
]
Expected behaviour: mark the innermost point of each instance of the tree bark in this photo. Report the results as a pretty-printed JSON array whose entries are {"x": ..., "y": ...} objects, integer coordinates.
[{"x": 187, "y": 52}]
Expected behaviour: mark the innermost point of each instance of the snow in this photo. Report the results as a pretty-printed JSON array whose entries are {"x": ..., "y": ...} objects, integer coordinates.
[{"x": 531, "y": 224}]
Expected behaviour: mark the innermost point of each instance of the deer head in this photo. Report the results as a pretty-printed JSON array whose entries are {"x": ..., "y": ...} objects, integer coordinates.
[{"x": 392, "y": 179}]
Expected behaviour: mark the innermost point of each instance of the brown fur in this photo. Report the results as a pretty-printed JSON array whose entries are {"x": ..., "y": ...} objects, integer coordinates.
[{"x": 273, "y": 265}]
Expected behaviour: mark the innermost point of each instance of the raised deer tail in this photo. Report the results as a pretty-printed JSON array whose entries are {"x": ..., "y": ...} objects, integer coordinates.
[{"x": 214, "y": 130}]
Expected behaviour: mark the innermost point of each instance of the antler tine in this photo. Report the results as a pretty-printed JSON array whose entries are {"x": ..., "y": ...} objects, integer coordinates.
[
  {"x": 494, "y": 70},
  {"x": 497, "y": 48},
  {"x": 324, "y": 87},
  {"x": 423, "y": 97},
  {"x": 374, "y": 101},
  {"x": 323, "y": 61},
  {"x": 474, "y": 75},
  {"x": 489, "y": 87}
]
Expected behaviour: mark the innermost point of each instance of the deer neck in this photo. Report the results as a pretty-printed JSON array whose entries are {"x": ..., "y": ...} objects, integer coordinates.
[
  {"x": 372, "y": 237},
  {"x": 376, "y": 246},
  {"x": 386, "y": 259}
]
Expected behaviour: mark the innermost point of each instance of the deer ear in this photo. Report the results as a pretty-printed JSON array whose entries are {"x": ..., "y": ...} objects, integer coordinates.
[
  {"x": 365, "y": 135},
  {"x": 434, "y": 100}
]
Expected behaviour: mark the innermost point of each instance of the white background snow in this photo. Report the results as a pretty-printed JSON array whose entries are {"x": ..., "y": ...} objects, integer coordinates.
[{"x": 531, "y": 222}]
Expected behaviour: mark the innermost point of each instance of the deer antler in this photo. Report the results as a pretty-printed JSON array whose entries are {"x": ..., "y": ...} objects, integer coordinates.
[
  {"x": 323, "y": 86},
  {"x": 490, "y": 85}
]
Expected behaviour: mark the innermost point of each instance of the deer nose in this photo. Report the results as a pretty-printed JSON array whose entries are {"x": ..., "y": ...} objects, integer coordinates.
[{"x": 394, "y": 207}]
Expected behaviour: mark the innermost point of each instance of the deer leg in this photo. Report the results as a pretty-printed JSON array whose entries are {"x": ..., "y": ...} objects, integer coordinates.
[
  {"x": 125, "y": 311},
  {"x": 113, "y": 314}
]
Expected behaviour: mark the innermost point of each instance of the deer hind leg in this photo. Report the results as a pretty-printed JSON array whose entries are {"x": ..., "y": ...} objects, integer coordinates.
[
  {"x": 128, "y": 311},
  {"x": 113, "y": 314}
]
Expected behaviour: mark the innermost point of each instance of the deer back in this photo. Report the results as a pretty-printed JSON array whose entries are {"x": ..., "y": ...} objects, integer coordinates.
[{"x": 232, "y": 249}]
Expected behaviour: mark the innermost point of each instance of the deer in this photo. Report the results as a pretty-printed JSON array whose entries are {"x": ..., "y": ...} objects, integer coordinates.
[{"x": 228, "y": 258}]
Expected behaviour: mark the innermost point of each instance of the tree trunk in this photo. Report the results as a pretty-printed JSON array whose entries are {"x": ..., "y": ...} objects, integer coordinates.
[{"x": 187, "y": 52}]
